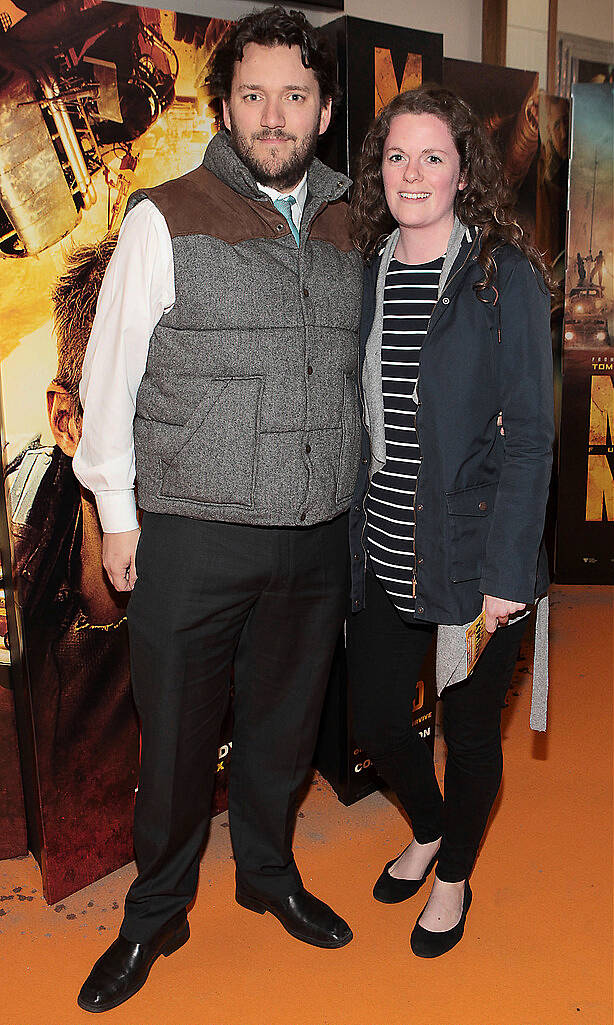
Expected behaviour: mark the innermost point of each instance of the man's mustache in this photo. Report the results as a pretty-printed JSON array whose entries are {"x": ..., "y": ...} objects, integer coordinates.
[{"x": 275, "y": 134}]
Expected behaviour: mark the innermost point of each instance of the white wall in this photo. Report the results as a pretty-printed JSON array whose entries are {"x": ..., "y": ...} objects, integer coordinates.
[
  {"x": 460, "y": 21},
  {"x": 527, "y": 29},
  {"x": 592, "y": 18},
  {"x": 527, "y": 37}
]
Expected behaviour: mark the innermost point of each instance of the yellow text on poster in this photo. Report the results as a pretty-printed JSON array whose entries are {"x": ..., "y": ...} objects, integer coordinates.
[{"x": 599, "y": 479}]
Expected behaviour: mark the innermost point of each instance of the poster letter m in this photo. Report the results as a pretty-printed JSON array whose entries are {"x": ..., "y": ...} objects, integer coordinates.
[
  {"x": 386, "y": 85},
  {"x": 599, "y": 480}
]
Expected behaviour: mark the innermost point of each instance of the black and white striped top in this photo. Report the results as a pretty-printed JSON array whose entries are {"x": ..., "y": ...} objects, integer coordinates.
[{"x": 410, "y": 294}]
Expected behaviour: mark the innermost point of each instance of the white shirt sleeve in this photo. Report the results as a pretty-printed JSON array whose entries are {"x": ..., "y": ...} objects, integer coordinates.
[{"x": 138, "y": 287}]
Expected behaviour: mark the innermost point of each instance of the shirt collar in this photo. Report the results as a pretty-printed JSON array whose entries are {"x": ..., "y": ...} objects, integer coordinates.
[{"x": 299, "y": 193}]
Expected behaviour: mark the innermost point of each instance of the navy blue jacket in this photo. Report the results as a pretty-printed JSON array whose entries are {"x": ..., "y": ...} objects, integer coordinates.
[{"x": 480, "y": 498}]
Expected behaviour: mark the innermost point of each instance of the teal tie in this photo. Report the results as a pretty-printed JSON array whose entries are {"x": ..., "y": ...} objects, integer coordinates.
[{"x": 284, "y": 204}]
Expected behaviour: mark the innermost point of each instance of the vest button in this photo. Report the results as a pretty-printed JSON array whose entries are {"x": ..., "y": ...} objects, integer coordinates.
[
  {"x": 483, "y": 506},
  {"x": 307, "y": 449},
  {"x": 445, "y": 300},
  {"x": 280, "y": 227},
  {"x": 420, "y": 560},
  {"x": 303, "y": 516},
  {"x": 356, "y": 556},
  {"x": 306, "y": 293},
  {"x": 419, "y": 508},
  {"x": 364, "y": 462},
  {"x": 310, "y": 370},
  {"x": 420, "y": 610}
]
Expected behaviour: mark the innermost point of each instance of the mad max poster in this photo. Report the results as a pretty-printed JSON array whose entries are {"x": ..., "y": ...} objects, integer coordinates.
[
  {"x": 585, "y": 525},
  {"x": 13, "y": 829},
  {"x": 96, "y": 100},
  {"x": 13, "y": 832}
]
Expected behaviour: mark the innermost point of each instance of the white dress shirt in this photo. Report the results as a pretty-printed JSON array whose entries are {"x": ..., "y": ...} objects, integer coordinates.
[{"x": 137, "y": 289}]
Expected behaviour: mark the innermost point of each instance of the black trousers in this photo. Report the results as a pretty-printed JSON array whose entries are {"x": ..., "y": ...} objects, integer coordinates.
[
  {"x": 210, "y": 596},
  {"x": 385, "y": 655}
]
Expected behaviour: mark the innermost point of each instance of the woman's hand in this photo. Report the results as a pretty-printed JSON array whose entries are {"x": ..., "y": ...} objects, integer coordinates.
[{"x": 498, "y": 610}]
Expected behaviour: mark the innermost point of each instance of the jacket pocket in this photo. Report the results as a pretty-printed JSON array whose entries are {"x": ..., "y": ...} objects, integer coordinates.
[
  {"x": 212, "y": 459},
  {"x": 349, "y": 452},
  {"x": 469, "y": 513}
]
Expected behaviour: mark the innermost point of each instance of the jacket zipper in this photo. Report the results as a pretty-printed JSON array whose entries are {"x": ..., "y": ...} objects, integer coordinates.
[{"x": 418, "y": 404}]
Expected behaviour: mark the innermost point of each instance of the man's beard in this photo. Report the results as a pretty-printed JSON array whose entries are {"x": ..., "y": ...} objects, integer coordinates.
[{"x": 274, "y": 173}]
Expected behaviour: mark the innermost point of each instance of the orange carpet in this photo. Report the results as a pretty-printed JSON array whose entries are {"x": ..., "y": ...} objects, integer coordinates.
[{"x": 537, "y": 948}]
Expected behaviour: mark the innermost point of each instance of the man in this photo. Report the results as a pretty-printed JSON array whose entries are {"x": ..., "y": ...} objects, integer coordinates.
[
  {"x": 581, "y": 269},
  {"x": 83, "y": 715},
  {"x": 242, "y": 410},
  {"x": 598, "y": 266}
]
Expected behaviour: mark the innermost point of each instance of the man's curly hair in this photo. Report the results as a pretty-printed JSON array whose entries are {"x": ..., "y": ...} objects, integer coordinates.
[
  {"x": 74, "y": 297},
  {"x": 486, "y": 202},
  {"x": 274, "y": 27}
]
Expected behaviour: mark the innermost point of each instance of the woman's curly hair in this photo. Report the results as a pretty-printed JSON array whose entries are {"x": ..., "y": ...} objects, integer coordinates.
[{"x": 486, "y": 202}]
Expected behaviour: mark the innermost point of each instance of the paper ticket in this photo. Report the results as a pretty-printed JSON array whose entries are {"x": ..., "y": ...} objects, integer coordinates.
[{"x": 477, "y": 637}]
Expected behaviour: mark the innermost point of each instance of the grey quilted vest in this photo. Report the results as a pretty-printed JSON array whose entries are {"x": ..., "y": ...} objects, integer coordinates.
[{"x": 248, "y": 408}]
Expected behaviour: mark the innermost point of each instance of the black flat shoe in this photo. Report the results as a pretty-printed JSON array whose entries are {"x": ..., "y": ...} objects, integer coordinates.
[
  {"x": 389, "y": 890},
  {"x": 302, "y": 915},
  {"x": 124, "y": 967},
  {"x": 432, "y": 944}
]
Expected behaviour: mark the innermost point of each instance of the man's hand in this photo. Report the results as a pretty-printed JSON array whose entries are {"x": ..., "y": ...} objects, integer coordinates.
[
  {"x": 498, "y": 610},
  {"x": 118, "y": 551}
]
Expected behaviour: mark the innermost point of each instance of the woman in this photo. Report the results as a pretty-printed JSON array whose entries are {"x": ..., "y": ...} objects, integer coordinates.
[{"x": 448, "y": 514}]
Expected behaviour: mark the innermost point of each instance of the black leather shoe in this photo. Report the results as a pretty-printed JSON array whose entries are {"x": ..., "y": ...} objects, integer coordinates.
[
  {"x": 302, "y": 915},
  {"x": 389, "y": 890},
  {"x": 432, "y": 944},
  {"x": 124, "y": 967}
]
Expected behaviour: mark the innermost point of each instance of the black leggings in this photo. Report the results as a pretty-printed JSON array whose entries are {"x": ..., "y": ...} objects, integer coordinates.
[{"x": 385, "y": 656}]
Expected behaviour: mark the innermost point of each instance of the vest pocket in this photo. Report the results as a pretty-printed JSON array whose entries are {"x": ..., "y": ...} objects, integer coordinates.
[
  {"x": 469, "y": 513},
  {"x": 211, "y": 460},
  {"x": 349, "y": 453}
]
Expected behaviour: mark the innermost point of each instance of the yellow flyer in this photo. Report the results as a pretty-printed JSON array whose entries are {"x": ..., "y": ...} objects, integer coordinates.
[{"x": 477, "y": 637}]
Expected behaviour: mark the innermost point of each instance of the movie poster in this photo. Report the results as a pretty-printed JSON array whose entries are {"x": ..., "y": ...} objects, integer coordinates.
[
  {"x": 507, "y": 101},
  {"x": 552, "y": 175},
  {"x": 13, "y": 838},
  {"x": 13, "y": 822},
  {"x": 585, "y": 523},
  {"x": 96, "y": 100}
]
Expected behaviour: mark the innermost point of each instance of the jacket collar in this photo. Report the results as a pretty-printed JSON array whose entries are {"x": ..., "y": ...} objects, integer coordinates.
[
  {"x": 324, "y": 184},
  {"x": 459, "y": 243},
  {"x": 462, "y": 240}
]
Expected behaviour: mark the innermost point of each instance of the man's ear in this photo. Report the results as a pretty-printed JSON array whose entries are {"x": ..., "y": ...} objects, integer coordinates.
[
  {"x": 226, "y": 114},
  {"x": 325, "y": 115},
  {"x": 65, "y": 427}
]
